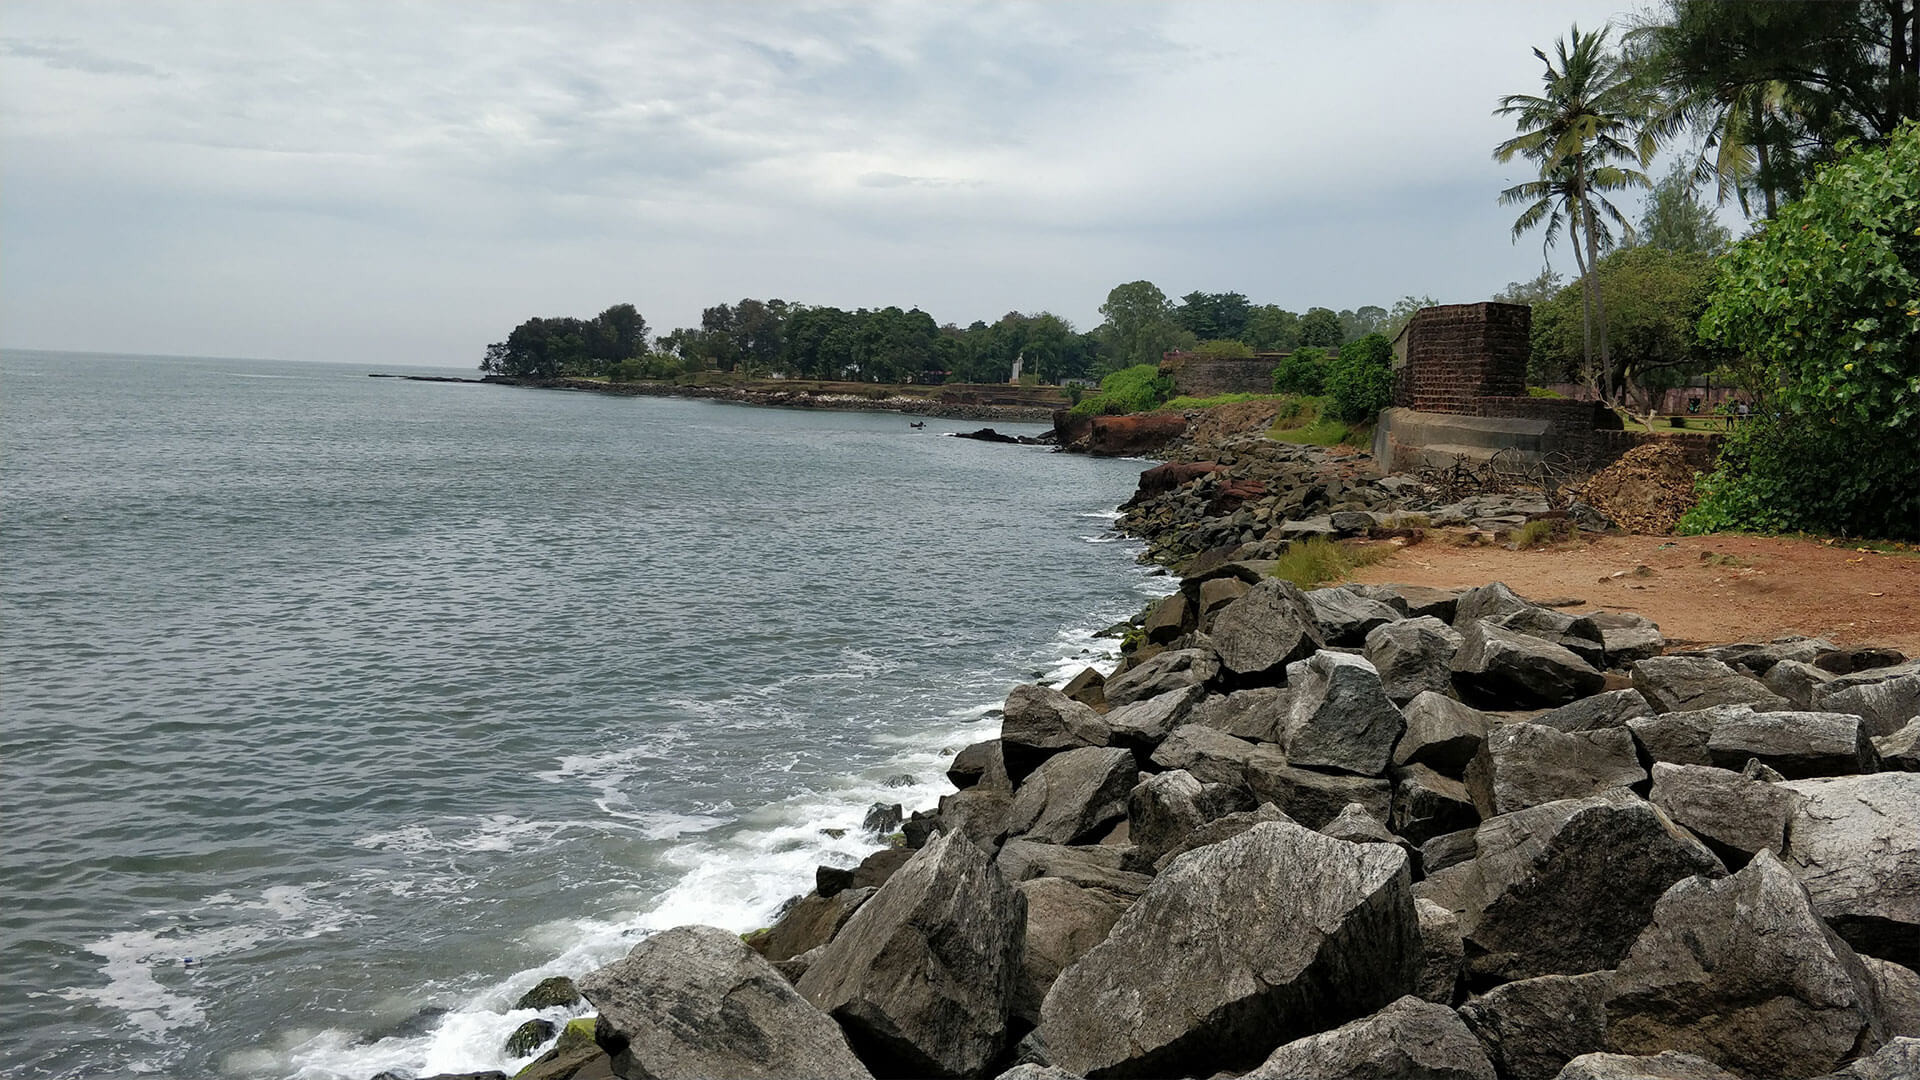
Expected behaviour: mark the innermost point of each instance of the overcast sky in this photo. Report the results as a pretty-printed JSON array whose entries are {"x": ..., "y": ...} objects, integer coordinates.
[{"x": 402, "y": 183}]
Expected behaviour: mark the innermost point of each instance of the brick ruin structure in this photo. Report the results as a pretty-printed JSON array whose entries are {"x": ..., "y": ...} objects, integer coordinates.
[{"x": 1460, "y": 389}]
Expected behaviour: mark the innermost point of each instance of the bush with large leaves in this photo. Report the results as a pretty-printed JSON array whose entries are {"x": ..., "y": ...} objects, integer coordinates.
[
  {"x": 1823, "y": 308},
  {"x": 1360, "y": 380}
]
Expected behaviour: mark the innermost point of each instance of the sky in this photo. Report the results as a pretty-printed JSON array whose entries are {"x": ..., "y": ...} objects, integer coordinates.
[{"x": 402, "y": 183}]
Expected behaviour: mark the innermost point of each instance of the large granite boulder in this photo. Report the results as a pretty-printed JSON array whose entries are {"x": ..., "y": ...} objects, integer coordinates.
[
  {"x": 1565, "y": 887},
  {"x": 1345, "y": 617},
  {"x": 1220, "y": 830},
  {"x": 810, "y": 922},
  {"x": 1165, "y": 807},
  {"x": 1884, "y": 698},
  {"x": 1409, "y": 1038},
  {"x": 1684, "y": 683},
  {"x": 1605, "y": 710},
  {"x": 1238, "y": 947},
  {"x": 1338, "y": 715},
  {"x": 980, "y": 763},
  {"x": 1142, "y": 725},
  {"x": 1170, "y": 670},
  {"x": 1796, "y": 681},
  {"x": 1427, "y": 804},
  {"x": 1073, "y": 796},
  {"x": 1258, "y": 635},
  {"x": 1522, "y": 765},
  {"x": 923, "y": 976},
  {"x": 1900, "y": 751},
  {"x": 1413, "y": 656},
  {"x": 1090, "y": 866},
  {"x": 1898, "y": 1060},
  {"x": 981, "y": 813},
  {"x": 1736, "y": 813},
  {"x": 1666, "y": 1065},
  {"x": 1314, "y": 798},
  {"x": 1214, "y": 757},
  {"x": 1680, "y": 738},
  {"x": 1485, "y": 602},
  {"x": 1742, "y": 971},
  {"x": 1795, "y": 744},
  {"x": 1576, "y": 634},
  {"x": 1442, "y": 954},
  {"x": 1855, "y": 844},
  {"x": 695, "y": 1002},
  {"x": 1503, "y": 669},
  {"x": 1039, "y": 722},
  {"x": 1533, "y": 1027},
  {"x": 1258, "y": 714},
  {"x": 1442, "y": 734},
  {"x": 1064, "y": 920},
  {"x": 1627, "y": 637}
]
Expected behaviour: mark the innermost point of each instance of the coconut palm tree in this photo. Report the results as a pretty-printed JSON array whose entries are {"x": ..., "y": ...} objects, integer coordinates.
[{"x": 1586, "y": 132}]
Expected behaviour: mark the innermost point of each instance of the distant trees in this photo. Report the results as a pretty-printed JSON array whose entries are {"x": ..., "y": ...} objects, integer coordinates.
[
  {"x": 548, "y": 348},
  {"x": 1140, "y": 326}
]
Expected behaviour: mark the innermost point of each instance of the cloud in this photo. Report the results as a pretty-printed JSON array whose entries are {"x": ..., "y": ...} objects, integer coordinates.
[{"x": 208, "y": 166}]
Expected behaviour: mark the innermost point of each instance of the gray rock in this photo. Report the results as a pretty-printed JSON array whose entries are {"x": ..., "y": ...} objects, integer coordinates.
[
  {"x": 1504, "y": 669},
  {"x": 1072, "y": 796},
  {"x": 1797, "y": 744},
  {"x": 1413, "y": 656},
  {"x": 1741, "y": 971},
  {"x": 1427, "y": 804},
  {"x": 1415, "y": 601},
  {"x": 810, "y": 923},
  {"x": 1576, "y": 634},
  {"x": 1238, "y": 947},
  {"x": 1256, "y": 714},
  {"x": 1448, "y": 849},
  {"x": 1270, "y": 627},
  {"x": 1338, "y": 715},
  {"x": 1898, "y": 1060},
  {"x": 1795, "y": 681},
  {"x": 1896, "y": 989},
  {"x": 1096, "y": 866},
  {"x": 1315, "y": 798},
  {"x": 1063, "y": 922},
  {"x": 1165, "y": 807},
  {"x": 1900, "y": 751},
  {"x": 882, "y": 819},
  {"x": 695, "y": 1002},
  {"x": 1220, "y": 830},
  {"x": 922, "y": 977},
  {"x": 1214, "y": 757},
  {"x": 1142, "y": 725},
  {"x": 980, "y": 763},
  {"x": 1855, "y": 844},
  {"x": 1522, "y": 765},
  {"x": 1441, "y": 733},
  {"x": 1533, "y": 1027},
  {"x": 1565, "y": 887},
  {"x": 1349, "y": 522},
  {"x": 1627, "y": 637},
  {"x": 1409, "y": 1038},
  {"x": 1032, "y": 1071},
  {"x": 1606, "y": 710},
  {"x": 1680, "y": 738},
  {"x": 1216, "y": 593},
  {"x": 1884, "y": 698},
  {"x": 1169, "y": 670},
  {"x": 1686, "y": 683},
  {"x": 980, "y": 813},
  {"x": 528, "y": 1036},
  {"x": 1761, "y": 658},
  {"x": 1666, "y": 1065},
  {"x": 1168, "y": 619},
  {"x": 1443, "y": 956},
  {"x": 1345, "y": 617},
  {"x": 552, "y": 992},
  {"x": 1040, "y": 722},
  {"x": 1736, "y": 815},
  {"x": 1486, "y": 602},
  {"x": 1356, "y": 826}
]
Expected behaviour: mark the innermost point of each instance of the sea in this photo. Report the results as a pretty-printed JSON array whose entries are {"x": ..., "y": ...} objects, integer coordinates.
[{"x": 336, "y": 712}]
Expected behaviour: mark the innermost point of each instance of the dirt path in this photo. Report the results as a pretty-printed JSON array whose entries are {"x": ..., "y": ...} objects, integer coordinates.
[{"x": 1700, "y": 589}]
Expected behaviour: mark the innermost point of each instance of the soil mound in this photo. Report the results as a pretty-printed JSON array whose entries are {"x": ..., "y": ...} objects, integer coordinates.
[{"x": 1646, "y": 491}]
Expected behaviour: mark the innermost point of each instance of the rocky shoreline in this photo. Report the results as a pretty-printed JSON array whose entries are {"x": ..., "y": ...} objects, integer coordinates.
[
  {"x": 1358, "y": 831},
  {"x": 795, "y": 399}
]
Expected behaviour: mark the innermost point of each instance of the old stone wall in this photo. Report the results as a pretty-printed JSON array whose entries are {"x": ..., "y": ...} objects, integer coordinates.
[
  {"x": 1195, "y": 376},
  {"x": 1458, "y": 353}
]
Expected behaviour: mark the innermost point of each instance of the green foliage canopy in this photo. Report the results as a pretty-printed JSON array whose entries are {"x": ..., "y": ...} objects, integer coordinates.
[
  {"x": 1360, "y": 379},
  {"x": 1302, "y": 371}
]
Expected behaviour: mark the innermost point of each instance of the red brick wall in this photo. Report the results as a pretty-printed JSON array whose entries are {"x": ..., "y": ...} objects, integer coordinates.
[{"x": 1460, "y": 352}]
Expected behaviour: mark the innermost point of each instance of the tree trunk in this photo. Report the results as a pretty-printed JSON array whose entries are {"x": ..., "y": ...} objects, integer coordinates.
[
  {"x": 1612, "y": 377},
  {"x": 1586, "y": 300}
]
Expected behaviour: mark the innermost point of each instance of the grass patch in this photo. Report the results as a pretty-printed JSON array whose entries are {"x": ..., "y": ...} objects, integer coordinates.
[
  {"x": 1542, "y": 532},
  {"x": 1322, "y": 432},
  {"x": 1317, "y": 560},
  {"x": 1184, "y": 402}
]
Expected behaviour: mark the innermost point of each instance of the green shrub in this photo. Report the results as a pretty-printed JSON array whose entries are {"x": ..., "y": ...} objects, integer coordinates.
[
  {"x": 1541, "y": 391},
  {"x": 1223, "y": 349},
  {"x": 1784, "y": 472},
  {"x": 1139, "y": 388},
  {"x": 1303, "y": 371},
  {"x": 1360, "y": 379},
  {"x": 1324, "y": 431},
  {"x": 1317, "y": 560}
]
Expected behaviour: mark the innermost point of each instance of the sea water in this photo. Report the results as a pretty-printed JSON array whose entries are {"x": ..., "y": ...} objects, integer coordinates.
[{"x": 335, "y": 712}]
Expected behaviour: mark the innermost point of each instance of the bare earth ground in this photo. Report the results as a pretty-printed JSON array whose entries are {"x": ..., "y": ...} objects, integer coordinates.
[{"x": 1769, "y": 587}]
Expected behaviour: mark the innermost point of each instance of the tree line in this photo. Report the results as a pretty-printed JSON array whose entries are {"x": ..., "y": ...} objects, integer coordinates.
[{"x": 889, "y": 345}]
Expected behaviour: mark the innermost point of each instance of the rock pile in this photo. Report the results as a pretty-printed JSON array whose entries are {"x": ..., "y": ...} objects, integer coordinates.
[
  {"x": 1646, "y": 491},
  {"x": 1358, "y": 832}
]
